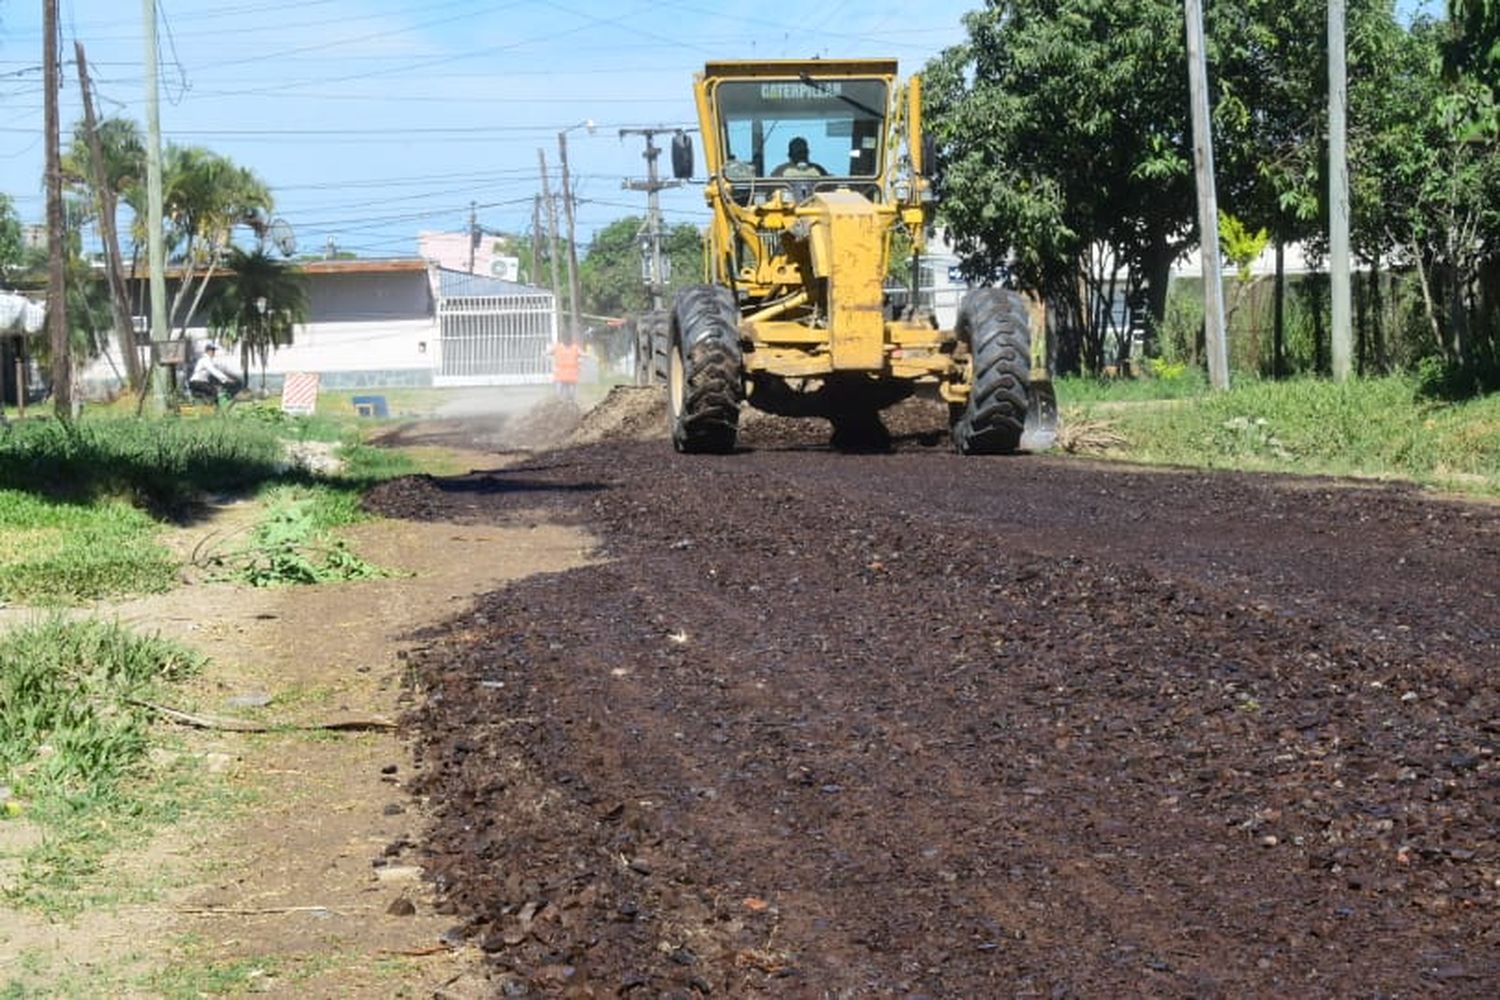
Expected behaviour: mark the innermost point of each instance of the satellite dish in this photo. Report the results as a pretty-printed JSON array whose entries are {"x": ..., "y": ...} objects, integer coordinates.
[{"x": 283, "y": 238}]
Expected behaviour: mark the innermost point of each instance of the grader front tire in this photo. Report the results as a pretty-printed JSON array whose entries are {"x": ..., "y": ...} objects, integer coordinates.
[{"x": 993, "y": 322}]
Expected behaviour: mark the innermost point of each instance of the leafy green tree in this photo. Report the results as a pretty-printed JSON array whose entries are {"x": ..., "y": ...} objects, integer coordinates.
[
  {"x": 1065, "y": 165},
  {"x": 1431, "y": 171},
  {"x": 1474, "y": 43},
  {"x": 611, "y": 273},
  {"x": 1270, "y": 108},
  {"x": 12, "y": 242},
  {"x": 124, "y": 157},
  {"x": 1063, "y": 132},
  {"x": 257, "y": 305}
]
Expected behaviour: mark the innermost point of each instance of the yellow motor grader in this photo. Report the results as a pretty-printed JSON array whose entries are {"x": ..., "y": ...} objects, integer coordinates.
[{"x": 817, "y": 176}]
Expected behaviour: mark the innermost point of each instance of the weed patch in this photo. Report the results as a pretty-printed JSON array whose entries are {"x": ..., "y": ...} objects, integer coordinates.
[
  {"x": 294, "y": 543},
  {"x": 74, "y": 739}
]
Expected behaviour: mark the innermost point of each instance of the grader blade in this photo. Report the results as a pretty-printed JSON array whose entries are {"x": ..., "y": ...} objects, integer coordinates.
[{"x": 1040, "y": 430}]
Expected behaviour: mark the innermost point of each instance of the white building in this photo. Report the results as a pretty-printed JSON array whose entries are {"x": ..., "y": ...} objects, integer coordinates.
[{"x": 394, "y": 323}]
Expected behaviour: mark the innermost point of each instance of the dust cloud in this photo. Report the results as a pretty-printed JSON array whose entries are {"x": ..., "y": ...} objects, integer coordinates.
[{"x": 529, "y": 418}]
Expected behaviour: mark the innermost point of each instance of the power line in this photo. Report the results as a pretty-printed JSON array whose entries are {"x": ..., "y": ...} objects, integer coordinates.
[
  {"x": 372, "y": 37},
  {"x": 182, "y": 80}
]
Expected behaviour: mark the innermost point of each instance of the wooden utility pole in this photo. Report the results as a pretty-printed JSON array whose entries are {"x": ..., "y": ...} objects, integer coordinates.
[
  {"x": 156, "y": 251},
  {"x": 551, "y": 226},
  {"x": 1208, "y": 209},
  {"x": 57, "y": 293},
  {"x": 119, "y": 297},
  {"x": 1340, "y": 336},
  {"x": 567, "y": 196},
  {"x": 534, "y": 270}
]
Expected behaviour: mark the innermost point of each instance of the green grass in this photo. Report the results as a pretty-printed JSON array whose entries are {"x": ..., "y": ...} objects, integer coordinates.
[
  {"x": 194, "y": 974},
  {"x": 82, "y": 504},
  {"x": 60, "y": 553},
  {"x": 158, "y": 465},
  {"x": 1166, "y": 381},
  {"x": 73, "y": 748},
  {"x": 200, "y": 977},
  {"x": 80, "y": 518},
  {"x": 1369, "y": 427},
  {"x": 365, "y": 465}
]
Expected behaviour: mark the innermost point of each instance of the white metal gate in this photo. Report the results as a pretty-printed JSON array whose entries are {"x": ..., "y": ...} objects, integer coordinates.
[{"x": 496, "y": 339}]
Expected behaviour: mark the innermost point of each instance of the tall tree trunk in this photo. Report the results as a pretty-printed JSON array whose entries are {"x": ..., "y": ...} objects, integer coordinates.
[
  {"x": 1069, "y": 324},
  {"x": 1458, "y": 314},
  {"x": 1424, "y": 281},
  {"x": 1320, "y": 359},
  {"x": 1158, "y": 267},
  {"x": 1361, "y": 331},
  {"x": 119, "y": 299},
  {"x": 198, "y": 296},
  {"x": 1278, "y": 328}
]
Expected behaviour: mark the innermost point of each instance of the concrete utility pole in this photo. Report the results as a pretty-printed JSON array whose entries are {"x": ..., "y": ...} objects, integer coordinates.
[
  {"x": 656, "y": 278},
  {"x": 551, "y": 225},
  {"x": 1340, "y": 337},
  {"x": 1208, "y": 209},
  {"x": 156, "y": 252},
  {"x": 57, "y": 297},
  {"x": 119, "y": 297}
]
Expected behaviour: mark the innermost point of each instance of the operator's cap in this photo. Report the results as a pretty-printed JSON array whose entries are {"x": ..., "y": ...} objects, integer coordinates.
[{"x": 210, "y": 346}]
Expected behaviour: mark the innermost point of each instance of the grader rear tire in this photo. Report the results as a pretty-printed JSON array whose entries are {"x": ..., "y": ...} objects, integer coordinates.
[
  {"x": 993, "y": 322},
  {"x": 652, "y": 348},
  {"x": 705, "y": 384}
]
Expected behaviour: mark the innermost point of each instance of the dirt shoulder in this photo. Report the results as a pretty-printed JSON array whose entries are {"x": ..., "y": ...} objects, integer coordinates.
[{"x": 308, "y": 885}]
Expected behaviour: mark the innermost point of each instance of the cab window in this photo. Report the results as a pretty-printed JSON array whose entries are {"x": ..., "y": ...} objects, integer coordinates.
[{"x": 841, "y": 120}]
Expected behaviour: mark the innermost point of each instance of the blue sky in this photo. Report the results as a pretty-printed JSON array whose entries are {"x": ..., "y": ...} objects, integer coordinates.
[{"x": 374, "y": 119}]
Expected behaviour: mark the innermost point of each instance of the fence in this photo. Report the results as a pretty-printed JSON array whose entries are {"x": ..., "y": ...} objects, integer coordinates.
[{"x": 496, "y": 339}]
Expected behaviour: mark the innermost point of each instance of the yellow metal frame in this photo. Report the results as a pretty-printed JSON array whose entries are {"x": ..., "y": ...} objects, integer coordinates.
[{"x": 812, "y": 281}]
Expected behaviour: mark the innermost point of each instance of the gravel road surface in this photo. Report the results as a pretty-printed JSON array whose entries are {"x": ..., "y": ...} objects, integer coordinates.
[{"x": 914, "y": 725}]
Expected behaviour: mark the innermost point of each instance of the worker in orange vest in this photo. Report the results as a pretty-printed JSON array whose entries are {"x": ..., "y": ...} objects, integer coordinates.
[{"x": 565, "y": 368}]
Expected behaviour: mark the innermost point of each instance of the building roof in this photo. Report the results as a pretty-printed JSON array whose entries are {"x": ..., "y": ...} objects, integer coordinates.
[
  {"x": 352, "y": 265},
  {"x": 461, "y": 284},
  {"x": 360, "y": 265}
]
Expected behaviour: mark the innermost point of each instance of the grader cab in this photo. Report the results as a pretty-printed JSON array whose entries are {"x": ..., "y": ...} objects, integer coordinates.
[{"x": 818, "y": 180}]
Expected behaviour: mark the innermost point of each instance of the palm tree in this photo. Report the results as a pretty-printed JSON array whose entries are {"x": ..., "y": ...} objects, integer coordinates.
[
  {"x": 123, "y": 165},
  {"x": 257, "y": 306},
  {"x": 204, "y": 197},
  {"x": 124, "y": 156}
]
